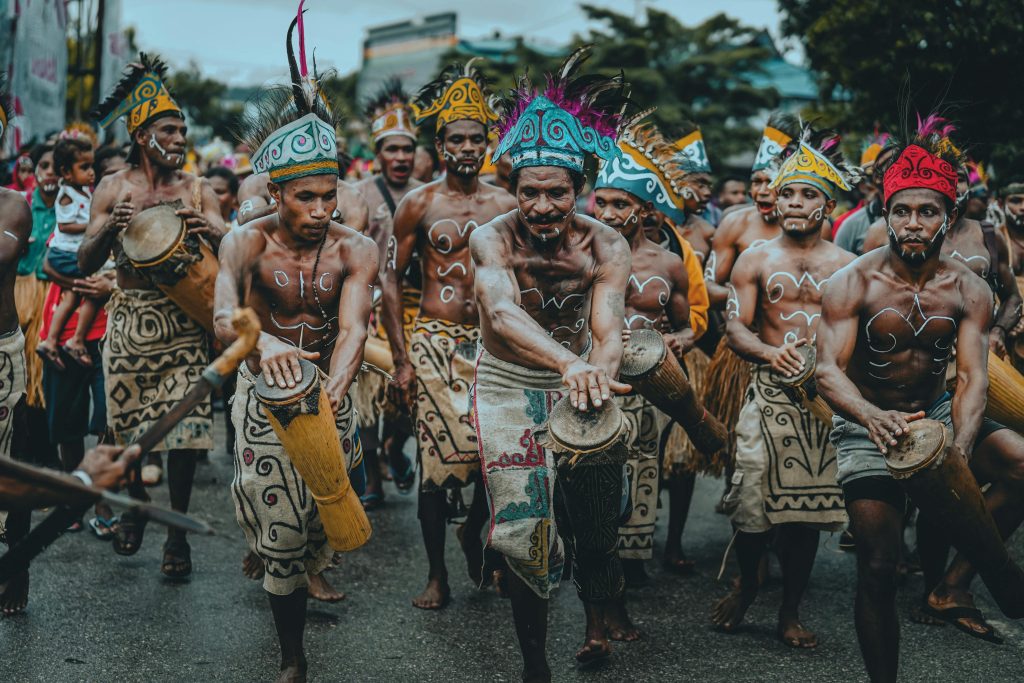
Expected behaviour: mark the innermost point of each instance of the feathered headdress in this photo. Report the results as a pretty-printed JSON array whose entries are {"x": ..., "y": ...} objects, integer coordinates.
[
  {"x": 140, "y": 96},
  {"x": 817, "y": 161},
  {"x": 926, "y": 158},
  {"x": 871, "y": 148},
  {"x": 693, "y": 154},
  {"x": 650, "y": 168},
  {"x": 572, "y": 117},
  {"x": 389, "y": 113},
  {"x": 292, "y": 127},
  {"x": 5, "y": 104},
  {"x": 777, "y": 135},
  {"x": 459, "y": 93}
]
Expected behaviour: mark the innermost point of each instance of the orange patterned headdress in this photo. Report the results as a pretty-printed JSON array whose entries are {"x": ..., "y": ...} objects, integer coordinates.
[
  {"x": 140, "y": 97},
  {"x": 389, "y": 113},
  {"x": 458, "y": 94}
]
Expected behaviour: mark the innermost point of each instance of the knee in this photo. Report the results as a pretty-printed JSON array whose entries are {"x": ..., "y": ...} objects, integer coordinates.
[{"x": 876, "y": 576}]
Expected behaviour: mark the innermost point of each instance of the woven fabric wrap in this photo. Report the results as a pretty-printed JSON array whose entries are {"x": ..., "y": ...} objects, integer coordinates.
[
  {"x": 153, "y": 355},
  {"x": 511, "y": 404},
  {"x": 301, "y": 148},
  {"x": 272, "y": 504},
  {"x": 12, "y": 385},
  {"x": 444, "y": 356},
  {"x": 799, "y": 464},
  {"x": 644, "y": 426}
]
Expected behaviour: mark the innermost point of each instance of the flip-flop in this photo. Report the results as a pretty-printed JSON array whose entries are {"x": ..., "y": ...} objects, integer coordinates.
[
  {"x": 371, "y": 501},
  {"x": 404, "y": 482},
  {"x": 103, "y": 527},
  {"x": 176, "y": 552},
  {"x": 128, "y": 534},
  {"x": 952, "y": 615}
]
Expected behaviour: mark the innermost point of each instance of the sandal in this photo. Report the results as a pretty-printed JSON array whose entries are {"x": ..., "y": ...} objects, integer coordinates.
[
  {"x": 371, "y": 501},
  {"x": 177, "y": 562},
  {"x": 404, "y": 482},
  {"x": 953, "y": 615},
  {"x": 103, "y": 527},
  {"x": 128, "y": 533}
]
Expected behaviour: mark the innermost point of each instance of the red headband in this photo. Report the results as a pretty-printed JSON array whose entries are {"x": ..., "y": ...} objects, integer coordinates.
[{"x": 918, "y": 168}]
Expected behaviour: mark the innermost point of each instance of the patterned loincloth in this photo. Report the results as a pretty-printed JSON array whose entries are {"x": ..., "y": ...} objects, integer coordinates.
[
  {"x": 680, "y": 456},
  {"x": 785, "y": 465},
  {"x": 153, "y": 355},
  {"x": 511, "y": 403},
  {"x": 272, "y": 504},
  {"x": 12, "y": 385},
  {"x": 645, "y": 424},
  {"x": 444, "y": 354},
  {"x": 29, "y": 299}
]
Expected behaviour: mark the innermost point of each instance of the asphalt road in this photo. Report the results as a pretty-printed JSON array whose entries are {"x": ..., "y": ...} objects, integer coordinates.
[{"x": 94, "y": 616}]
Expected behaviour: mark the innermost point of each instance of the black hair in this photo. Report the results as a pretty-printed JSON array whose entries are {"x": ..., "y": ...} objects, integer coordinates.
[
  {"x": 577, "y": 178},
  {"x": 226, "y": 174},
  {"x": 39, "y": 150},
  {"x": 105, "y": 154},
  {"x": 66, "y": 152}
]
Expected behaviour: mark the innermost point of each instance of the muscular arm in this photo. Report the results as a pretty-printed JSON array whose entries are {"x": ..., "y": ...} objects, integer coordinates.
[
  {"x": 15, "y": 228},
  {"x": 355, "y": 212},
  {"x": 497, "y": 298},
  {"x": 211, "y": 212},
  {"x": 398, "y": 254},
  {"x": 235, "y": 253},
  {"x": 353, "y": 315},
  {"x": 99, "y": 236},
  {"x": 740, "y": 311},
  {"x": 971, "y": 362},
  {"x": 607, "y": 302},
  {"x": 724, "y": 251},
  {"x": 1009, "y": 312}
]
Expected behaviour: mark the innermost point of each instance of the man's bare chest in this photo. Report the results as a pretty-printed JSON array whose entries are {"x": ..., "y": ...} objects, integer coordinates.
[{"x": 894, "y": 321}]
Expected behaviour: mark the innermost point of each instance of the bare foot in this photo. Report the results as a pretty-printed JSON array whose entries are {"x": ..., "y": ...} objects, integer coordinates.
[
  {"x": 620, "y": 626},
  {"x": 473, "y": 549},
  {"x": 293, "y": 672},
  {"x": 594, "y": 650},
  {"x": 728, "y": 612},
  {"x": 320, "y": 590},
  {"x": 252, "y": 566},
  {"x": 435, "y": 596},
  {"x": 794, "y": 634},
  {"x": 48, "y": 351},
  {"x": 76, "y": 349},
  {"x": 14, "y": 599}
]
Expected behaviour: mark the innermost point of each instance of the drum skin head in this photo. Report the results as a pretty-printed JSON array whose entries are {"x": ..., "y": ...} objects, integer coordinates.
[
  {"x": 642, "y": 353},
  {"x": 810, "y": 356},
  {"x": 152, "y": 233},
  {"x": 915, "y": 449},
  {"x": 285, "y": 394},
  {"x": 588, "y": 430}
]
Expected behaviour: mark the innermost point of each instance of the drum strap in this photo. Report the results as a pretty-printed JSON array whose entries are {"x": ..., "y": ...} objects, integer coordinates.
[
  {"x": 988, "y": 232},
  {"x": 382, "y": 187},
  {"x": 197, "y": 193}
]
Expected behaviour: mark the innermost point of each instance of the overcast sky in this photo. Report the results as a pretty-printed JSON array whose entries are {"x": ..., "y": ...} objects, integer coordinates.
[{"x": 242, "y": 41}]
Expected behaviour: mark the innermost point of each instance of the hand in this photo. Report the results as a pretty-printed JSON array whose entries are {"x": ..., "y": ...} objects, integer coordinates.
[
  {"x": 680, "y": 343},
  {"x": 590, "y": 385},
  {"x": 108, "y": 466},
  {"x": 627, "y": 334},
  {"x": 1018, "y": 329},
  {"x": 122, "y": 213},
  {"x": 335, "y": 393},
  {"x": 279, "y": 362},
  {"x": 198, "y": 225},
  {"x": 95, "y": 286},
  {"x": 785, "y": 360},
  {"x": 403, "y": 388},
  {"x": 885, "y": 426},
  {"x": 997, "y": 341}
]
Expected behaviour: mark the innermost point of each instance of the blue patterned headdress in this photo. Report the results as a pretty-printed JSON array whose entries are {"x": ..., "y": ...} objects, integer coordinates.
[
  {"x": 649, "y": 168},
  {"x": 573, "y": 117}
]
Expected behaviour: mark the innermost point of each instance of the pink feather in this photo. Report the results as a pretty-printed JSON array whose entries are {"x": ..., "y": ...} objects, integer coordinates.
[{"x": 303, "y": 71}]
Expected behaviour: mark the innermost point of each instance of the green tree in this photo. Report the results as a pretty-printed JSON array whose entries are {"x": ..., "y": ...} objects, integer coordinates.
[
  {"x": 963, "y": 54},
  {"x": 201, "y": 98}
]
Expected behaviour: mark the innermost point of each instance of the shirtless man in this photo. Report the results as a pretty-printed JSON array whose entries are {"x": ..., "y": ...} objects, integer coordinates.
[
  {"x": 309, "y": 279},
  {"x": 550, "y": 289},
  {"x": 696, "y": 187},
  {"x": 255, "y": 201},
  {"x": 174, "y": 357},
  {"x": 1011, "y": 203},
  {"x": 889, "y": 325},
  {"x": 656, "y": 298},
  {"x": 774, "y": 304},
  {"x": 394, "y": 139},
  {"x": 434, "y": 372},
  {"x": 15, "y": 228}
]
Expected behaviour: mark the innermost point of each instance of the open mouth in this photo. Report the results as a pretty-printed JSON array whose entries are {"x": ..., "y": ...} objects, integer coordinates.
[{"x": 765, "y": 207}]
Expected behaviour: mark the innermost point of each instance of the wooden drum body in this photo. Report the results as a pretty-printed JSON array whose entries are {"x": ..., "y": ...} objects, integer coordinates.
[
  {"x": 591, "y": 437},
  {"x": 941, "y": 484},
  {"x": 377, "y": 353},
  {"x": 1005, "y": 394},
  {"x": 302, "y": 419},
  {"x": 656, "y": 374},
  {"x": 183, "y": 266},
  {"x": 803, "y": 389}
]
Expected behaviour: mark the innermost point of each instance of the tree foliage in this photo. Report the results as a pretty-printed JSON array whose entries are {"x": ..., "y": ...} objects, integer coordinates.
[
  {"x": 962, "y": 54},
  {"x": 201, "y": 98}
]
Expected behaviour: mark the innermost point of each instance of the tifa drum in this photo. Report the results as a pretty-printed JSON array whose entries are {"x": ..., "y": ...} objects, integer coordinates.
[
  {"x": 941, "y": 484},
  {"x": 589, "y": 437},
  {"x": 302, "y": 419},
  {"x": 655, "y": 373},
  {"x": 803, "y": 389},
  {"x": 183, "y": 266}
]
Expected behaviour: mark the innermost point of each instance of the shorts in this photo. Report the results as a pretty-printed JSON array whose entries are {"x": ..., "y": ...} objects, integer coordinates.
[
  {"x": 858, "y": 456},
  {"x": 64, "y": 262}
]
